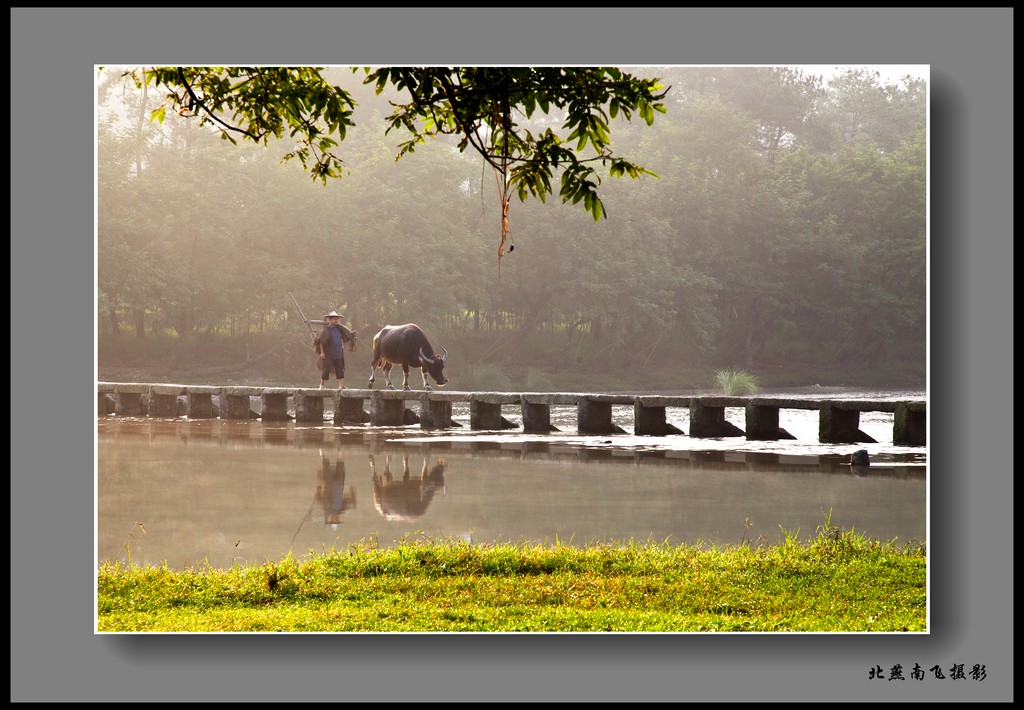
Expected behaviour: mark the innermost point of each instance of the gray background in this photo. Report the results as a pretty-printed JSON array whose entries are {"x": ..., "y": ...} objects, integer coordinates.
[{"x": 55, "y": 654}]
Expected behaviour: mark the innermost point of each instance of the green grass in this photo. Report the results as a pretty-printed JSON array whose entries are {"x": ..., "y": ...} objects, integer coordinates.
[
  {"x": 834, "y": 582},
  {"x": 735, "y": 382}
]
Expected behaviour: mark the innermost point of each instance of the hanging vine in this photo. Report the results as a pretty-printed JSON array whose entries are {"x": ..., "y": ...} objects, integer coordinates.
[{"x": 504, "y": 119}]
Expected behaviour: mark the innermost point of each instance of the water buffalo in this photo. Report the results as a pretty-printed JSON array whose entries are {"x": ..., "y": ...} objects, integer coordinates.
[
  {"x": 406, "y": 498},
  {"x": 406, "y": 345}
]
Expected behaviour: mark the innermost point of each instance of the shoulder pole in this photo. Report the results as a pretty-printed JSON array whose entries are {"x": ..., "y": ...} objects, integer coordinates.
[{"x": 306, "y": 320}]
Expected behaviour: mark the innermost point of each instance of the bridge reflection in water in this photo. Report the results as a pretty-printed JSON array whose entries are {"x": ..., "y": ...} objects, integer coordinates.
[{"x": 221, "y": 492}]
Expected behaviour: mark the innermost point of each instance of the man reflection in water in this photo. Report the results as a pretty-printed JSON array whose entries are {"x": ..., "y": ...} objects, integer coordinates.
[
  {"x": 331, "y": 493},
  {"x": 406, "y": 499}
]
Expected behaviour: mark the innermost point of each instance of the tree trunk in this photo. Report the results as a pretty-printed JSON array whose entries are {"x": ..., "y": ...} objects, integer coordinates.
[
  {"x": 115, "y": 326},
  {"x": 139, "y": 316}
]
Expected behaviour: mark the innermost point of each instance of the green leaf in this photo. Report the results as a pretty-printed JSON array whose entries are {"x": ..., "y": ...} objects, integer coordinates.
[{"x": 529, "y": 104}]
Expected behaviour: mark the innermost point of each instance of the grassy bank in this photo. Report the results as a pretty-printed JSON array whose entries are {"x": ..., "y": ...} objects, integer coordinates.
[{"x": 833, "y": 582}]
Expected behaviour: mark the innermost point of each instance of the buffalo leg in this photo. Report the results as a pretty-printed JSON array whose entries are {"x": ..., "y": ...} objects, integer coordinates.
[
  {"x": 387, "y": 375},
  {"x": 377, "y": 362}
]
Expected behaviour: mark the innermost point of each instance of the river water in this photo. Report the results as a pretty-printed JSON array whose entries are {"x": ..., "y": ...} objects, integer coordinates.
[{"x": 196, "y": 493}]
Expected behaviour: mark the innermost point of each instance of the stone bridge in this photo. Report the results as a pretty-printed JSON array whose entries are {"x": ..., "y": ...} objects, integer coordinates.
[{"x": 838, "y": 419}]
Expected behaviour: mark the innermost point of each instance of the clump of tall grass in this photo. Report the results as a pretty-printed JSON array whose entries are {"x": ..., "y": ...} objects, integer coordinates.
[
  {"x": 126, "y": 545},
  {"x": 735, "y": 382}
]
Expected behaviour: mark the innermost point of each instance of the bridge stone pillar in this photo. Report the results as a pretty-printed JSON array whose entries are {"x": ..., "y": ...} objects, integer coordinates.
[
  {"x": 309, "y": 407},
  {"x": 435, "y": 413},
  {"x": 199, "y": 402},
  {"x": 707, "y": 417},
  {"x": 593, "y": 417},
  {"x": 386, "y": 411},
  {"x": 234, "y": 406},
  {"x": 909, "y": 425},
  {"x": 274, "y": 405},
  {"x": 536, "y": 417},
  {"x": 762, "y": 422},
  {"x": 649, "y": 420},
  {"x": 650, "y": 415},
  {"x": 106, "y": 404},
  {"x": 128, "y": 398},
  {"x": 484, "y": 415},
  {"x": 348, "y": 410},
  {"x": 200, "y": 405},
  {"x": 706, "y": 421},
  {"x": 840, "y": 426},
  {"x": 163, "y": 400},
  {"x": 837, "y": 426}
]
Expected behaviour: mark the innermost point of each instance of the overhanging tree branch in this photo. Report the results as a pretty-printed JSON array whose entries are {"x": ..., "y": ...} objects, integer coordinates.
[{"x": 478, "y": 103}]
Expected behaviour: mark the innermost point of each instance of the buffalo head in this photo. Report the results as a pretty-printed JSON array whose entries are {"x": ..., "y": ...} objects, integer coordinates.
[{"x": 435, "y": 365}]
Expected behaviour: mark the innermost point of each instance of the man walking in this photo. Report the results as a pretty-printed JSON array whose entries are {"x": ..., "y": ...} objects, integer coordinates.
[{"x": 329, "y": 344}]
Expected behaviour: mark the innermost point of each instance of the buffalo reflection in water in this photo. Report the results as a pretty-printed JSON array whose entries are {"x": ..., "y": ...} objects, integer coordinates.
[
  {"x": 331, "y": 492},
  {"x": 406, "y": 499}
]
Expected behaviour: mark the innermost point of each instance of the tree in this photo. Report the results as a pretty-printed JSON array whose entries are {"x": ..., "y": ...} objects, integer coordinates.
[
  {"x": 861, "y": 109},
  {"x": 490, "y": 109}
]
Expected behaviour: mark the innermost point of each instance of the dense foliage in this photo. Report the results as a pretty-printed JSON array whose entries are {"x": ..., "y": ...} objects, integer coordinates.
[{"x": 782, "y": 220}]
